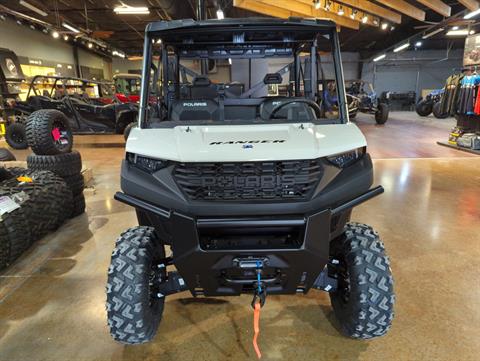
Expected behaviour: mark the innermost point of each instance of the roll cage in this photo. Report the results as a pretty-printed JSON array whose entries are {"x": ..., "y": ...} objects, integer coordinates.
[
  {"x": 127, "y": 83},
  {"x": 257, "y": 38},
  {"x": 64, "y": 83}
]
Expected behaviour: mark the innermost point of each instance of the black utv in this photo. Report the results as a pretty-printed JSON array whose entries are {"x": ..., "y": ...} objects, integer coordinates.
[
  {"x": 88, "y": 106},
  {"x": 252, "y": 193}
]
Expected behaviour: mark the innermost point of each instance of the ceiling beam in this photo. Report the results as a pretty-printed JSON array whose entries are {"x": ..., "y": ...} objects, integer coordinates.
[
  {"x": 438, "y": 6},
  {"x": 372, "y": 8},
  {"x": 309, "y": 10},
  {"x": 257, "y": 7},
  {"x": 405, "y": 8},
  {"x": 272, "y": 9},
  {"x": 471, "y": 5}
]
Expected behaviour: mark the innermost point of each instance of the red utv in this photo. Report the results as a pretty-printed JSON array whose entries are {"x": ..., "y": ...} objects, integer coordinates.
[{"x": 127, "y": 87}]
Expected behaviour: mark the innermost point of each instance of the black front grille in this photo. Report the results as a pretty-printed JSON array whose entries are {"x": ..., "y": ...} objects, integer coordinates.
[{"x": 280, "y": 180}]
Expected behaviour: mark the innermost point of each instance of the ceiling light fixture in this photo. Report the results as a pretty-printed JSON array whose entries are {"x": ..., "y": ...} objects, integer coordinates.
[
  {"x": 118, "y": 53},
  {"x": 159, "y": 41},
  {"x": 375, "y": 21},
  {"x": 32, "y": 7},
  {"x": 380, "y": 57},
  {"x": 472, "y": 14},
  {"x": 462, "y": 32},
  {"x": 317, "y": 4},
  {"x": 455, "y": 28},
  {"x": 365, "y": 19},
  {"x": 55, "y": 34},
  {"x": 353, "y": 14},
  {"x": 65, "y": 37},
  {"x": 401, "y": 47},
  {"x": 384, "y": 26},
  {"x": 70, "y": 27},
  {"x": 90, "y": 45},
  {"x": 418, "y": 44},
  {"x": 341, "y": 12},
  {"x": 220, "y": 14},
  {"x": 131, "y": 10},
  {"x": 434, "y": 32}
]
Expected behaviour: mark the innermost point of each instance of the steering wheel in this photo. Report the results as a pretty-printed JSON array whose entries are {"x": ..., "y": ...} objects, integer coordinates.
[{"x": 309, "y": 102}]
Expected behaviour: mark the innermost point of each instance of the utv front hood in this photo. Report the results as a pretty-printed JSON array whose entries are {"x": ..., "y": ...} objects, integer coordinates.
[{"x": 241, "y": 143}]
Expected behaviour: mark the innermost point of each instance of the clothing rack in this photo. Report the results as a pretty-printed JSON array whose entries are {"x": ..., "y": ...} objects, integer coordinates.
[{"x": 461, "y": 99}]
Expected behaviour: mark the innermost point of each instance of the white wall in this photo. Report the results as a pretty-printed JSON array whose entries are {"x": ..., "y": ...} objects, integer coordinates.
[
  {"x": 412, "y": 70},
  {"x": 222, "y": 74},
  {"x": 92, "y": 61},
  {"x": 120, "y": 65},
  {"x": 37, "y": 45},
  {"x": 33, "y": 43}
]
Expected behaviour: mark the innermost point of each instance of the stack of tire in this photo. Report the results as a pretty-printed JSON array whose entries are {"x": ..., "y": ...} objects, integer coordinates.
[
  {"x": 42, "y": 201},
  {"x": 50, "y": 137}
]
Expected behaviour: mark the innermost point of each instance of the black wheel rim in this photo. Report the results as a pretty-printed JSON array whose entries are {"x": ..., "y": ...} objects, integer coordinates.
[
  {"x": 343, "y": 280},
  {"x": 157, "y": 276},
  {"x": 17, "y": 137}
]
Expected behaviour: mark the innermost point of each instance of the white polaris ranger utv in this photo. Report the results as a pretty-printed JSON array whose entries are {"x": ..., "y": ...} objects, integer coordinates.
[{"x": 253, "y": 193}]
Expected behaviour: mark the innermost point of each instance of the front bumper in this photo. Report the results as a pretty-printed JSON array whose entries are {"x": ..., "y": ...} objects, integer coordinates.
[
  {"x": 335, "y": 187},
  {"x": 212, "y": 254}
]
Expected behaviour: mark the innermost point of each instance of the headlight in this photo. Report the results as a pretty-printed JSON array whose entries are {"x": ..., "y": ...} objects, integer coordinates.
[
  {"x": 146, "y": 164},
  {"x": 346, "y": 159}
]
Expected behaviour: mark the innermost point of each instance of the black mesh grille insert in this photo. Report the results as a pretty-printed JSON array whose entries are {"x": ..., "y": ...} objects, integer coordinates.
[{"x": 280, "y": 180}]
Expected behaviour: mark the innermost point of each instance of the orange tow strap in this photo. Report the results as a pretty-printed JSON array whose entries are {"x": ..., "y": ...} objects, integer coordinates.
[{"x": 256, "y": 328}]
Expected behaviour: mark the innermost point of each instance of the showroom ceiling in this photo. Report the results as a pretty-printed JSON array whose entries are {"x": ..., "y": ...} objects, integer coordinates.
[{"x": 365, "y": 26}]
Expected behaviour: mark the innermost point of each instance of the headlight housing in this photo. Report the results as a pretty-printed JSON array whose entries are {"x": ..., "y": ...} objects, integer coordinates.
[
  {"x": 344, "y": 160},
  {"x": 146, "y": 164}
]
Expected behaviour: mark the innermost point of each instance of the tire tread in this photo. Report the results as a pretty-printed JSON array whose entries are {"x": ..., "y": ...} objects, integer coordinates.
[
  {"x": 130, "y": 317},
  {"x": 64, "y": 165},
  {"x": 38, "y": 132},
  {"x": 369, "y": 312}
]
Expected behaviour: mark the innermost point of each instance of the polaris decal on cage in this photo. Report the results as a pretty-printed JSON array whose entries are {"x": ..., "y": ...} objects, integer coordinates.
[
  {"x": 194, "y": 104},
  {"x": 249, "y": 142}
]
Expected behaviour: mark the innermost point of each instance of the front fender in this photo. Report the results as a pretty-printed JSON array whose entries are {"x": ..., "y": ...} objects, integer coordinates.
[{"x": 125, "y": 117}]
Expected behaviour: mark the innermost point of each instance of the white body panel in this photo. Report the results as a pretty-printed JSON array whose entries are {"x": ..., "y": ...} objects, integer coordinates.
[{"x": 258, "y": 142}]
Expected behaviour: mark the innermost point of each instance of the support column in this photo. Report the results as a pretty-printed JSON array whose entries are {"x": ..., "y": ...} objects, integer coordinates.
[
  {"x": 78, "y": 70},
  {"x": 200, "y": 13}
]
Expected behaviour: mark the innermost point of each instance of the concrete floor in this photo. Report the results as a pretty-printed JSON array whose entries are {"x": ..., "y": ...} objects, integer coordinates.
[{"x": 52, "y": 299}]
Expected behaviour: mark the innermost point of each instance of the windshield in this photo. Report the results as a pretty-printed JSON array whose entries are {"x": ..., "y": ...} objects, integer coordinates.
[
  {"x": 127, "y": 86},
  {"x": 252, "y": 79}
]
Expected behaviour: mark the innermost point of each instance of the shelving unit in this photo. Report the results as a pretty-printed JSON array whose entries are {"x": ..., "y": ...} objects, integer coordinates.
[{"x": 471, "y": 122}]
